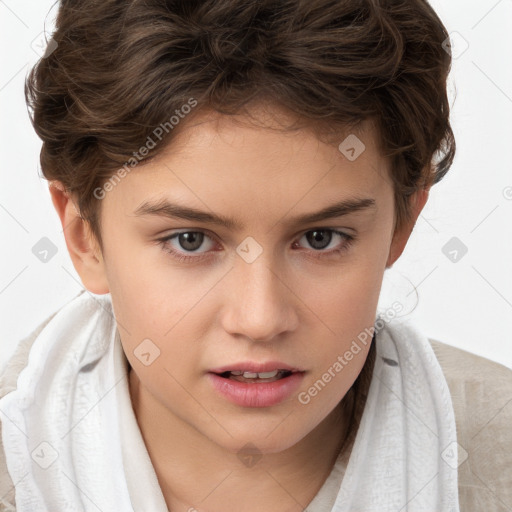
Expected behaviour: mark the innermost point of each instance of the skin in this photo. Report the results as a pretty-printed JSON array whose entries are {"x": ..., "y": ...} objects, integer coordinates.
[{"x": 286, "y": 305}]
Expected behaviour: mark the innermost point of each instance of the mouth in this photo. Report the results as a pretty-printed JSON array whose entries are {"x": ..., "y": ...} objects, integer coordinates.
[
  {"x": 253, "y": 384},
  {"x": 255, "y": 377}
]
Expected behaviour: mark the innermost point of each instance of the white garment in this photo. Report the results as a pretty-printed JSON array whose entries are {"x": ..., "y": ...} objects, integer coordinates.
[{"x": 72, "y": 442}]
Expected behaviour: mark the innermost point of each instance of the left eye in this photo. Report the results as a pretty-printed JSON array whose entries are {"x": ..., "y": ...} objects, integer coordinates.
[
  {"x": 321, "y": 238},
  {"x": 191, "y": 241}
]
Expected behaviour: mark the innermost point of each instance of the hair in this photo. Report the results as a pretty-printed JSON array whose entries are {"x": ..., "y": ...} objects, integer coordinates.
[{"x": 120, "y": 69}]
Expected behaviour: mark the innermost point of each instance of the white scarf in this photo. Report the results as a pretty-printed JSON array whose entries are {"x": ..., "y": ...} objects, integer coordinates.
[{"x": 70, "y": 418}]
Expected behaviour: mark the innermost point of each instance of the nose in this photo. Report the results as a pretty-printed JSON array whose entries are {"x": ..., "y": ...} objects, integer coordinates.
[{"x": 260, "y": 302}]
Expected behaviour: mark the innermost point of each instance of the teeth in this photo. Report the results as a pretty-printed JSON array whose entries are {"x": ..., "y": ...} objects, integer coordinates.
[
  {"x": 254, "y": 375},
  {"x": 263, "y": 375}
]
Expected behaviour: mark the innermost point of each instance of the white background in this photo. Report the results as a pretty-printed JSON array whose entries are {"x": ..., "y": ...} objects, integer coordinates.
[{"x": 467, "y": 303}]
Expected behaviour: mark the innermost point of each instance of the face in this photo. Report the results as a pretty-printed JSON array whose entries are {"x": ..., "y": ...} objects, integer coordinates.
[{"x": 272, "y": 286}]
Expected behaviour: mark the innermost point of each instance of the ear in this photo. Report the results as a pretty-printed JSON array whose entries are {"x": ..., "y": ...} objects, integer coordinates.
[
  {"x": 81, "y": 243},
  {"x": 400, "y": 237}
]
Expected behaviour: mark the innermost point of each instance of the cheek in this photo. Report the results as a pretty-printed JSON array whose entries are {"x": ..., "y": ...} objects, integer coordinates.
[
  {"x": 346, "y": 295},
  {"x": 344, "y": 309},
  {"x": 342, "y": 331},
  {"x": 159, "y": 303},
  {"x": 344, "y": 318},
  {"x": 149, "y": 295}
]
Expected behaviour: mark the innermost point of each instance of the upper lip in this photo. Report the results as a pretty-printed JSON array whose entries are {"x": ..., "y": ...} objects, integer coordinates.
[{"x": 252, "y": 366}]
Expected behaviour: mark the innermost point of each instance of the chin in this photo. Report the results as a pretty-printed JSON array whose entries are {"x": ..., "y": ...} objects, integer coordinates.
[{"x": 260, "y": 441}]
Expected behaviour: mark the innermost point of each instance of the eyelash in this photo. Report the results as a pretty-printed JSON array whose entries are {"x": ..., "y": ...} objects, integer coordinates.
[{"x": 348, "y": 241}]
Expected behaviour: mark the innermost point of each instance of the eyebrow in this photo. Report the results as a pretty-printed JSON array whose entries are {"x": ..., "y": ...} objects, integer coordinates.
[{"x": 165, "y": 208}]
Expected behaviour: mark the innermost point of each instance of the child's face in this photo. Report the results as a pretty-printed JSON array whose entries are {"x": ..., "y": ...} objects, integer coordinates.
[{"x": 296, "y": 303}]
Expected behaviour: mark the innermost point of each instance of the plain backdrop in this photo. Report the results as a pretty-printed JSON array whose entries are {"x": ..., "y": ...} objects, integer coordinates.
[{"x": 455, "y": 276}]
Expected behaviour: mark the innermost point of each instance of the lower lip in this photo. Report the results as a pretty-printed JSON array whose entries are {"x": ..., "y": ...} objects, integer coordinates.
[{"x": 256, "y": 394}]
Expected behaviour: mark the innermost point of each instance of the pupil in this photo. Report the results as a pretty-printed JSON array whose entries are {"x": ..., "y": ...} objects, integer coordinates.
[
  {"x": 191, "y": 237},
  {"x": 315, "y": 238}
]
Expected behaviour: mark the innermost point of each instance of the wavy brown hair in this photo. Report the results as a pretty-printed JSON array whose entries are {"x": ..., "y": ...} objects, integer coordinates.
[{"x": 121, "y": 68}]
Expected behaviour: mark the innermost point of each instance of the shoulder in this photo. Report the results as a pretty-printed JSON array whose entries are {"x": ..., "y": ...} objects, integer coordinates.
[
  {"x": 481, "y": 392},
  {"x": 12, "y": 367},
  {"x": 8, "y": 379}
]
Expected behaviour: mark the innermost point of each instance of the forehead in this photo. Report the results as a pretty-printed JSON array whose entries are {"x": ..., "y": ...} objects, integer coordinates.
[
  {"x": 270, "y": 122},
  {"x": 252, "y": 160}
]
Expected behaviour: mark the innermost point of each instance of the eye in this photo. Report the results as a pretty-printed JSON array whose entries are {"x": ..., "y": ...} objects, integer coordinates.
[
  {"x": 181, "y": 243},
  {"x": 189, "y": 241},
  {"x": 321, "y": 238}
]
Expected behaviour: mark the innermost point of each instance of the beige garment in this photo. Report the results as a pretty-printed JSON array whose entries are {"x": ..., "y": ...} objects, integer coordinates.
[{"x": 481, "y": 392}]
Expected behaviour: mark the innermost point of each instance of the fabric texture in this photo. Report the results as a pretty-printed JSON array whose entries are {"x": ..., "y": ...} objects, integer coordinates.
[{"x": 93, "y": 451}]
